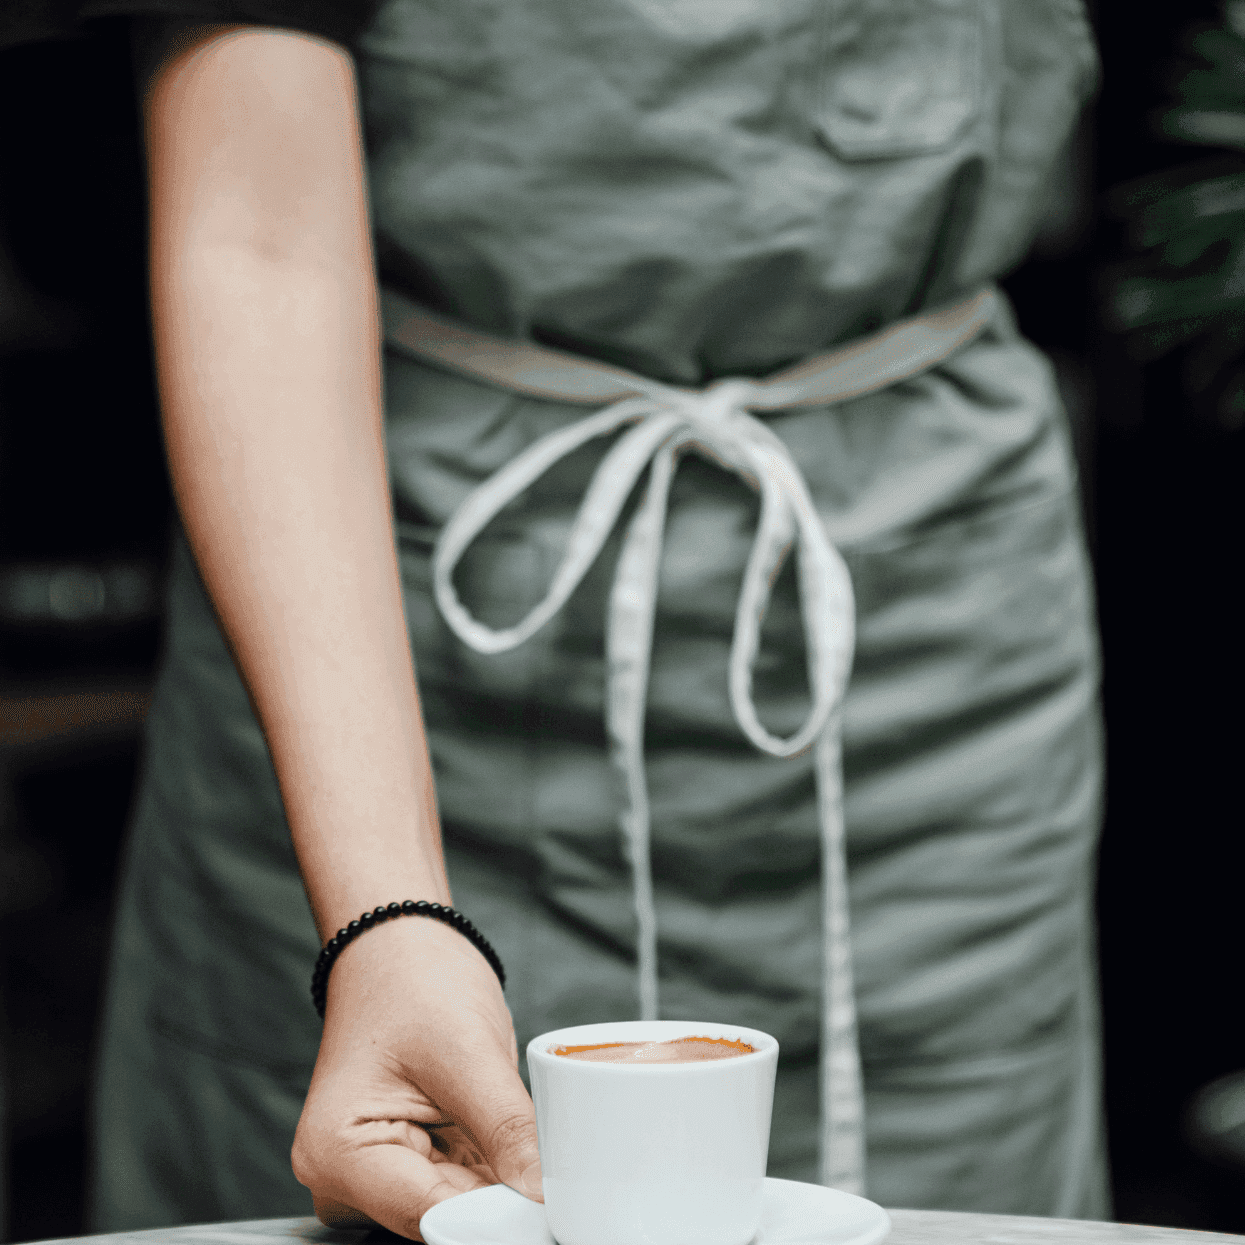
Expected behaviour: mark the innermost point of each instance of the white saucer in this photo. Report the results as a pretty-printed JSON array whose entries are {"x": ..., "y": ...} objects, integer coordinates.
[{"x": 794, "y": 1214}]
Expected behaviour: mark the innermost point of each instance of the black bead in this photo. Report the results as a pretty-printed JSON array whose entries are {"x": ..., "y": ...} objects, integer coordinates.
[
  {"x": 343, "y": 935},
  {"x": 334, "y": 944},
  {"x": 409, "y": 906},
  {"x": 353, "y": 928},
  {"x": 423, "y": 907},
  {"x": 367, "y": 920},
  {"x": 393, "y": 909},
  {"x": 435, "y": 909}
]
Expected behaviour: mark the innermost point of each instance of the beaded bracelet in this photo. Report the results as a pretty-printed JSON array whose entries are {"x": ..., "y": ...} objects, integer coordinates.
[{"x": 410, "y": 907}]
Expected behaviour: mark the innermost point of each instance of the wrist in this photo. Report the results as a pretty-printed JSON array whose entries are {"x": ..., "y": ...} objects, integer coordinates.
[
  {"x": 420, "y": 911},
  {"x": 346, "y": 878}
]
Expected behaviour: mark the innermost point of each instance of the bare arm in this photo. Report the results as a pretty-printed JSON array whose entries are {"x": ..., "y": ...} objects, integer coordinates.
[
  {"x": 266, "y": 335},
  {"x": 268, "y": 357}
]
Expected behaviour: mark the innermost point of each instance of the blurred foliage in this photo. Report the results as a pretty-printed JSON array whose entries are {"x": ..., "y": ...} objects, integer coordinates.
[{"x": 1186, "y": 287}]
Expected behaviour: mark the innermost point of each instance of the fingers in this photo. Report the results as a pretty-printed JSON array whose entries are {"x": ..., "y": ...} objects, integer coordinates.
[
  {"x": 452, "y": 1145},
  {"x": 496, "y": 1113},
  {"x": 391, "y": 1181},
  {"x": 396, "y": 1187}
]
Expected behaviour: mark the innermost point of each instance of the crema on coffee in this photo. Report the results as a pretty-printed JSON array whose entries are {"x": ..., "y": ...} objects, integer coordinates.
[{"x": 676, "y": 1050}]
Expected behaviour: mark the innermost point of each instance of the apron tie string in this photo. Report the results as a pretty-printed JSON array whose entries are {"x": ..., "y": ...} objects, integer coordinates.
[{"x": 663, "y": 422}]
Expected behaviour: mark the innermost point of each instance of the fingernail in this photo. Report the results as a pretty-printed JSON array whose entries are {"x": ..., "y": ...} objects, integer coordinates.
[{"x": 530, "y": 1183}]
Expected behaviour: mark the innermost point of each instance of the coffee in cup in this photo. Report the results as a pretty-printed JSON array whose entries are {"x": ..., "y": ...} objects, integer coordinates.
[
  {"x": 674, "y": 1050},
  {"x": 653, "y": 1131}
]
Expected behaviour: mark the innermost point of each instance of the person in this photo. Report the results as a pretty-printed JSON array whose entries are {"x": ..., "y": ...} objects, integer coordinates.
[{"x": 688, "y": 192}]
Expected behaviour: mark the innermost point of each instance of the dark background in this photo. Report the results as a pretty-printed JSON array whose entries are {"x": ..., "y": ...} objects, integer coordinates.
[{"x": 84, "y": 512}]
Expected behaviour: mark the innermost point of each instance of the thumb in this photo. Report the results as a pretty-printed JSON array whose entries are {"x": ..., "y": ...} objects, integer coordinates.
[{"x": 493, "y": 1108}]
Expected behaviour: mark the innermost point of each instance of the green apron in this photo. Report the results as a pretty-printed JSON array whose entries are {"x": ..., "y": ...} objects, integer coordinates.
[{"x": 691, "y": 191}]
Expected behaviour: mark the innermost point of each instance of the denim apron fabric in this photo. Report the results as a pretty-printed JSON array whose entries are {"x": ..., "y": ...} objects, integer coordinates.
[{"x": 692, "y": 191}]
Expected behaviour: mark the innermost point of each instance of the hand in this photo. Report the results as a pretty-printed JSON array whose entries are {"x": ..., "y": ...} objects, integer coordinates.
[{"x": 416, "y": 1094}]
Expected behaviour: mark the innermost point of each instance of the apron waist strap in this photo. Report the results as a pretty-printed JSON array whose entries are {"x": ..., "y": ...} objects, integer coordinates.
[{"x": 901, "y": 350}]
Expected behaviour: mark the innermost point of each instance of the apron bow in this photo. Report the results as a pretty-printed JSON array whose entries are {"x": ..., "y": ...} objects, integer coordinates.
[{"x": 667, "y": 422}]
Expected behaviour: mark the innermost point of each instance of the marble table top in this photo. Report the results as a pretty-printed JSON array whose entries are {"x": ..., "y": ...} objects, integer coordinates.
[{"x": 910, "y": 1227}]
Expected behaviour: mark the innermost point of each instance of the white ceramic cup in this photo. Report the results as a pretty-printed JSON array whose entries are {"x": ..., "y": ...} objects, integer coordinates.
[{"x": 652, "y": 1154}]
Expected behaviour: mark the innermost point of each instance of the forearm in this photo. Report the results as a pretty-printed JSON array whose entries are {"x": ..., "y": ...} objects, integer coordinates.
[{"x": 268, "y": 358}]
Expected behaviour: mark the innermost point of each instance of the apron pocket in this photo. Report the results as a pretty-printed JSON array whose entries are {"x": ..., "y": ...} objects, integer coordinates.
[{"x": 899, "y": 77}]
